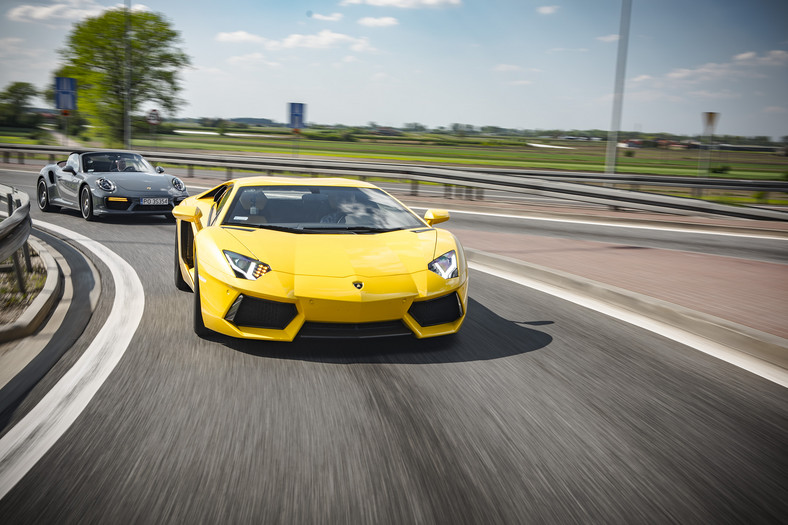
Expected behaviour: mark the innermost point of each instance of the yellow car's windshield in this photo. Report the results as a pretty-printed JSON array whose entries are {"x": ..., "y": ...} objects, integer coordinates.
[{"x": 319, "y": 209}]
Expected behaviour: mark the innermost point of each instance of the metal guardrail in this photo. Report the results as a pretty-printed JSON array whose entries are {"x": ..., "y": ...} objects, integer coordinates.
[
  {"x": 576, "y": 186},
  {"x": 14, "y": 230}
]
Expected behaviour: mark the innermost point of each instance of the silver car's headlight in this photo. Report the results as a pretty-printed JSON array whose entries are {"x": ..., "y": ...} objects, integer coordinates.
[
  {"x": 178, "y": 184},
  {"x": 245, "y": 267},
  {"x": 445, "y": 265},
  {"x": 105, "y": 184}
]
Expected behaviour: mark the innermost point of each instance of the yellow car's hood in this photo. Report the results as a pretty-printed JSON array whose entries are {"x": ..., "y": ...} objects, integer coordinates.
[{"x": 341, "y": 255}]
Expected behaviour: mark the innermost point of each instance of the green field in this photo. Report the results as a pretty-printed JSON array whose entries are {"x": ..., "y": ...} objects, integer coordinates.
[{"x": 449, "y": 150}]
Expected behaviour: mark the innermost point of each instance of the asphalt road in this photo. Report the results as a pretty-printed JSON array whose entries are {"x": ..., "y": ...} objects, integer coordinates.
[{"x": 538, "y": 411}]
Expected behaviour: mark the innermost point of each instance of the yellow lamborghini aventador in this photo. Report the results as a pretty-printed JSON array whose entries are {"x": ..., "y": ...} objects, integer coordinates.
[{"x": 275, "y": 258}]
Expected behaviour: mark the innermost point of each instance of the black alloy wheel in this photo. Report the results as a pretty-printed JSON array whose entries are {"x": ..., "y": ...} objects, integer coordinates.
[
  {"x": 86, "y": 204},
  {"x": 43, "y": 196}
]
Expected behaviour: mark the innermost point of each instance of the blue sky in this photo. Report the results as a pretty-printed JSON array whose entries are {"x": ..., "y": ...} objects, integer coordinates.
[{"x": 528, "y": 64}]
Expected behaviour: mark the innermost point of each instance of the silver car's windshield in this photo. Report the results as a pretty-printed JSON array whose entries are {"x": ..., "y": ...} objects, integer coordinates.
[
  {"x": 319, "y": 209},
  {"x": 115, "y": 162}
]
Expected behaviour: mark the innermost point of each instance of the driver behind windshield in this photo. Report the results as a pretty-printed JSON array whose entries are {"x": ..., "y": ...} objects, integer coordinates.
[{"x": 119, "y": 165}]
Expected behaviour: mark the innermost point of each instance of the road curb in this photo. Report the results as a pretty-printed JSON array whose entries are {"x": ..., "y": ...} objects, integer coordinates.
[
  {"x": 767, "y": 347},
  {"x": 42, "y": 305}
]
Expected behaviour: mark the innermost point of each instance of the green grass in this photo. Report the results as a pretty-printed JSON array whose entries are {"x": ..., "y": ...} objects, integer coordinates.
[
  {"x": 503, "y": 152},
  {"x": 586, "y": 157}
]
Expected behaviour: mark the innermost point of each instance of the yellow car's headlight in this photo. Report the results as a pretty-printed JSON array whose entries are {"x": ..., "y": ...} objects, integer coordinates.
[
  {"x": 445, "y": 265},
  {"x": 245, "y": 267}
]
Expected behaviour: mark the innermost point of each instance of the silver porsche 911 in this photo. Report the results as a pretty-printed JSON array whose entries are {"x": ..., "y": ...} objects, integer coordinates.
[{"x": 108, "y": 183}]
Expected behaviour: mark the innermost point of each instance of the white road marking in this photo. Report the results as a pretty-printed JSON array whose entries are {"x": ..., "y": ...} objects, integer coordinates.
[
  {"x": 747, "y": 362},
  {"x": 33, "y": 436},
  {"x": 775, "y": 237}
]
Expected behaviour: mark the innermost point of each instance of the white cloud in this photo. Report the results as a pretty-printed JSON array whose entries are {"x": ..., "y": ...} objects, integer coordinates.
[
  {"x": 521, "y": 82},
  {"x": 385, "y": 21},
  {"x": 15, "y": 48},
  {"x": 547, "y": 9},
  {"x": 608, "y": 38},
  {"x": 740, "y": 67},
  {"x": 404, "y": 4},
  {"x": 775, "y": 110},
  {"x": 251, "y": 60},
  {"x": 333, "y": 17},
  {"x": 239, "y": 37},
  {"x": 323, "y": 40},
  {"x": 715, "y": 95},
  {"x": 745, "y": 56},
  {"x": 63, "y": 10},
  {"x": 501, "y": 68},
  {"x": 209, "y": 70},
  {"x": 642, "y": 78},
  {"x": 776, "y": 57}
]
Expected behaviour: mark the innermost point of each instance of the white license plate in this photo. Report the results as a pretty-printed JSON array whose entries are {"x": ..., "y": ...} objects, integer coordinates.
[{"x": 153, "y": 201}]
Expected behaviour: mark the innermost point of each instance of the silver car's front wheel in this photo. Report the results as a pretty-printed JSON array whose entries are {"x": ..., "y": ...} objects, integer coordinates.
[{"x": 86, "y": 204}]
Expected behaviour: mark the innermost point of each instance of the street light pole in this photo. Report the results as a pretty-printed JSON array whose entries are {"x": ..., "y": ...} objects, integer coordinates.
[
  {"x": 618, "y": 96},
  {"x": 127, "y": 100}
]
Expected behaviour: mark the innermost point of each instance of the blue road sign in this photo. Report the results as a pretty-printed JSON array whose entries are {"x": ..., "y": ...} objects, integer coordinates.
[
  {"x": 297, "y": 114},
  {"x": 66, "y": 93}
]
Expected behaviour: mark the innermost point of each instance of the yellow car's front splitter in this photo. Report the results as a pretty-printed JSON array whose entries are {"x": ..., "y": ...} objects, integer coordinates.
[{"x": 276, "y": 307}]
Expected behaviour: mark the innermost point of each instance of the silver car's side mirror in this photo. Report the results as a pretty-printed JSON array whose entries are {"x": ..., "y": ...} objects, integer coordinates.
[
  {"x": 69, "y": 169},
  {"x": 159, "y": 169}
]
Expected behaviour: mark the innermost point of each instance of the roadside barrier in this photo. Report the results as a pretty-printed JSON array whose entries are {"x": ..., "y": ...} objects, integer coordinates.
[
  {"x": 470, "y": 183},
  {"x": 14, "y": 231}
]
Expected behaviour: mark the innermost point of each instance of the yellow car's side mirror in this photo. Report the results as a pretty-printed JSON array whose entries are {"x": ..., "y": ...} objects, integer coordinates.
[
  {"x": 191, "y": 214},
  {"x": 433, "y": 217}
]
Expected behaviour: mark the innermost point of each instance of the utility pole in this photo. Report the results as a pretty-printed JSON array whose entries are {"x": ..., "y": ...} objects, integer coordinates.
[
  {"x": 618, "y": 96},
  {"x": 127, "y": 99}
]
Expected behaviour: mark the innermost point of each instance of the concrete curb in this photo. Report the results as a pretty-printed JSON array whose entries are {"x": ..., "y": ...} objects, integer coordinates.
[
  {"x": 42, "y": 305},
  {"x": 764, "y": 346}
]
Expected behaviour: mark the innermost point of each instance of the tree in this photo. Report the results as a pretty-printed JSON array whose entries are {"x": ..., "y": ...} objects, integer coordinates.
[
  {"x": 95, "y": 55},
  {"x": 14, "y": 101}
]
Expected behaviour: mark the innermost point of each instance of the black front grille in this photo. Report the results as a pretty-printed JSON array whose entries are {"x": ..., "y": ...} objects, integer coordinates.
[
  {"x": 261, "y": 313},
  {"x": 353, "y": 330},
  {"x": 117, "y": 205},
  {"x": 446, "y": 309}
]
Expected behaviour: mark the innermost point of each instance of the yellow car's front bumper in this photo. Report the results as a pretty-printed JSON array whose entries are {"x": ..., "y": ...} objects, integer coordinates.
[{"x": 280, "y": 307}]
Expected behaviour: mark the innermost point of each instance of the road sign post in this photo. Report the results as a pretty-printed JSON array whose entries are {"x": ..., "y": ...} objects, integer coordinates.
[
  {"x": 297, "y": 111},
  {"x": 154, "y": 119},
  {"x": 709, "y": 122},
  {"x": 65, "y": 99}
]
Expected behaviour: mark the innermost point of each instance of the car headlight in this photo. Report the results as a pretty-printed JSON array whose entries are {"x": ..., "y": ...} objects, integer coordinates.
[
  {"x": 246, "y": 267},
  {"x": 105, "y": 184},
  {"x": 178, "y": 184},
  {"x": 445, "y": 265}
]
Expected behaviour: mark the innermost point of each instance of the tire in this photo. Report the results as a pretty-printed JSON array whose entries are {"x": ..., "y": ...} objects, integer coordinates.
[
  {"x": 199, "y": 326},
  {"x": 86, "y": 204},
  {"x": 42, "y": 193},
  {"x": 180, "y": 283}
]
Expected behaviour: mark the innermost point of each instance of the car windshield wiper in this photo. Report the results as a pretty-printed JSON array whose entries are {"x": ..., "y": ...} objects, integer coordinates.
[
  {"x": 274, "y": 227},
  {"x": 352, "y": 228}
]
